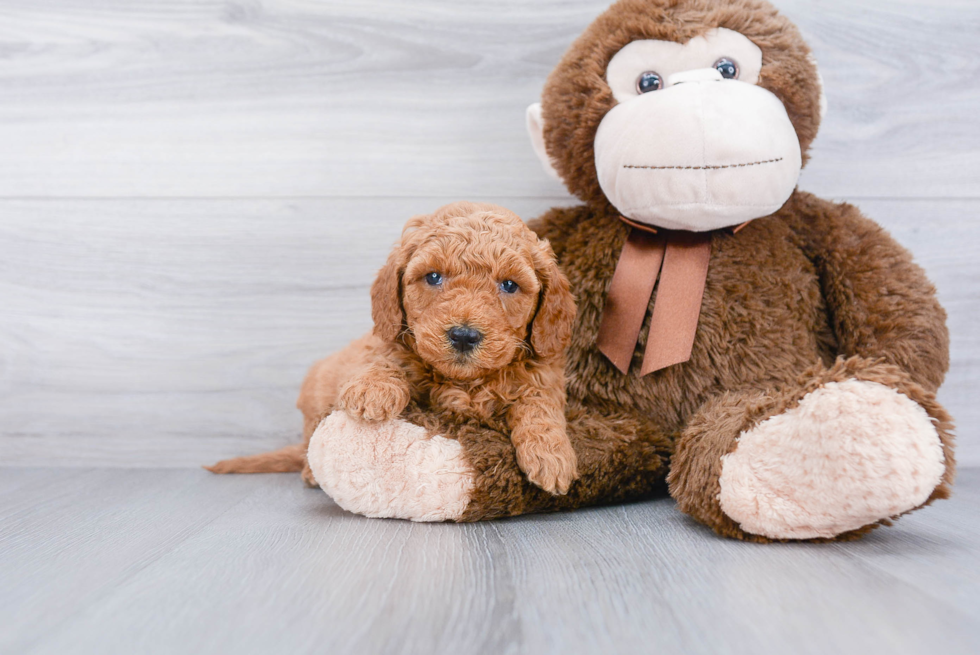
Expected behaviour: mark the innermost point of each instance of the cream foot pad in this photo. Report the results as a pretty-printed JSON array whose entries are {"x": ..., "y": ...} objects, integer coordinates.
[
  {"x": 851, "y": 453},
  {"x": 390, "y": 470}
]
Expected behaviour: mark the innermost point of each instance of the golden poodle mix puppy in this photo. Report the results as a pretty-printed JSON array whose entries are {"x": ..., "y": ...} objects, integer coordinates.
[{"x": 471, "y": 317}]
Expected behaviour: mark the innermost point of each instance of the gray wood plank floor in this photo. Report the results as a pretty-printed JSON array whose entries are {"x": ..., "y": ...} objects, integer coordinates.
[{"x": 180, "y": 561}]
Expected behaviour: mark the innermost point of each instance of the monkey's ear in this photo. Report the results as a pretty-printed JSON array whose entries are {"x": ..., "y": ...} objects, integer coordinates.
[
  {"x": 535, "y": 128},
  {"x": 551, "y": 329},
  {"x": 386, "y": 301}
]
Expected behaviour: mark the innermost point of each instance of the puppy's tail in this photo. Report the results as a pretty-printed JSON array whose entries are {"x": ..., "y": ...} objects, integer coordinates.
[{"x": 290, "y": 459}]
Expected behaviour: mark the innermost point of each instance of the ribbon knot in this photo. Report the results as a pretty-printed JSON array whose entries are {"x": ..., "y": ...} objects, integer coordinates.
[{"x": 680, "y": 260}]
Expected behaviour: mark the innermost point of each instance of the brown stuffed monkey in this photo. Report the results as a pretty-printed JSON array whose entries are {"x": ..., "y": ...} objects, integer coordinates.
[{"x": 772, "y": 356}]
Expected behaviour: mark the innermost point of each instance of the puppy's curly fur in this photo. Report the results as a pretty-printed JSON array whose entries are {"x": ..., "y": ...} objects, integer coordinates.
[{"x": 471, "y": 266}]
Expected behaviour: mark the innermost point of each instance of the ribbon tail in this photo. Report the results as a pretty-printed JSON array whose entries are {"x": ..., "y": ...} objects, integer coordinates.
[
  {"x": 629, "y": 295},
  {"x": 678, "y": 305}
]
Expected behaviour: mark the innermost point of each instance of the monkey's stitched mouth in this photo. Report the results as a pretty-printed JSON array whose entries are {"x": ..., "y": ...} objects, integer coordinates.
[{"x": 705, "y": 168}]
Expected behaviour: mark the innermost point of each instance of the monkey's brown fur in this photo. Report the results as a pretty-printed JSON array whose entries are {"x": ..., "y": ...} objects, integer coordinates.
[
  {"x": 514, "y": 380},
  {"x": 783, "y": 312},
  {"x": 814, "y": 293}
]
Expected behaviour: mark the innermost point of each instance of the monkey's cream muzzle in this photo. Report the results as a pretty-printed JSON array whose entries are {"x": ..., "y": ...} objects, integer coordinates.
[{"x": 701, "y": 154}]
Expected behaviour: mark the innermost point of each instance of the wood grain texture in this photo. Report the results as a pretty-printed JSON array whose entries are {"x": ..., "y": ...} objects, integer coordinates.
[
  {"x": 108, "y": 98},
  {"x": 175, "y": 333},
  {"x": 157, "y": 561},
  {"x": 69, "y": 537},
  {"x": 148, "y": 328}
]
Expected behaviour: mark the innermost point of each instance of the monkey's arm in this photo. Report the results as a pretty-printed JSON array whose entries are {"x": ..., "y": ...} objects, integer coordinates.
[
  {"x": 430, "y": 467},
  {"x": 620, "y": 457},
  {"x": 880, "y": 303}
]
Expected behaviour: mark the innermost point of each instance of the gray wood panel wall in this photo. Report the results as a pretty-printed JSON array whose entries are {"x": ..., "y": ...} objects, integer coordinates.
[{"x": 195, "y": 195}]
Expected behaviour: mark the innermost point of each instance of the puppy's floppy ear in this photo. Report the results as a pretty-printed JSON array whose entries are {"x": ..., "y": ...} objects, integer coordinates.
[
  {"x": 551, "y": 328},
  {"x": 386, "y": 295}
]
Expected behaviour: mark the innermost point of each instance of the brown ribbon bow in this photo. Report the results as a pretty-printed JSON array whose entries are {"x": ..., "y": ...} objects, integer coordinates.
[{"x": 680, "y": 259}]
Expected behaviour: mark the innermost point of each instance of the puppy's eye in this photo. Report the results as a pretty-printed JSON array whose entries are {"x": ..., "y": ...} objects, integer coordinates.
[
  {"x": 509, "y": 286},
  {"x": 648, "y": 81},
  {"x": 727, "y": 67},
  {"x": 433, "y": 279}
]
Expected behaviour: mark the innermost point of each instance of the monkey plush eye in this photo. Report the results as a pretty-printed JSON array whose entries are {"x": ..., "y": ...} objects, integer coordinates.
[
  {"x": 648, "y": 81},
  {"x": 727, "y": 67},
  {"x": 509, "y": 286},
  {"x": 433, "y": 279}
]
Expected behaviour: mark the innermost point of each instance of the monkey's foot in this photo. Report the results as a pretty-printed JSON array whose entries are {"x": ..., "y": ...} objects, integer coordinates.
[
  {"x": 848, "y": 455},
  {"x": 392, "y": 469}
]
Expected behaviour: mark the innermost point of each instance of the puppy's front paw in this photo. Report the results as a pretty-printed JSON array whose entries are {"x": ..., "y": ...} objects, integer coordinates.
[
  {"x": 374, "y": 398},
  {"x": 549, "y": 463}
]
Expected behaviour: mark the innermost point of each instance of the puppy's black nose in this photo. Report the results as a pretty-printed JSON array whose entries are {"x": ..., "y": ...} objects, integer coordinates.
[{"x": 464, "y": 338}]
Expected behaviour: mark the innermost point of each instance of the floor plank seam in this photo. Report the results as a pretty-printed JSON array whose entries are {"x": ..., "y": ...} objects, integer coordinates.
[{"x": 134, "y": 572}]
